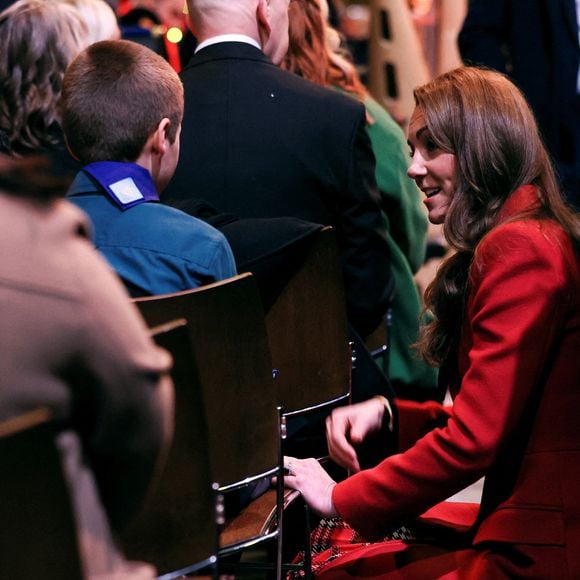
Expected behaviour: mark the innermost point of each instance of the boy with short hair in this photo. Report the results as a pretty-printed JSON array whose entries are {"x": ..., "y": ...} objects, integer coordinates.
[{"x": 122, "y": 107}]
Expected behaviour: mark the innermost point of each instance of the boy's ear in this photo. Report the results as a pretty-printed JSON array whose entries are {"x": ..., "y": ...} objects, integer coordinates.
[{"x": 159, "y": 138}]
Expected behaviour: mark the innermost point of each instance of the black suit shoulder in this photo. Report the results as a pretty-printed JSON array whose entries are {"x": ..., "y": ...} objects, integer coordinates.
[
  {"x": 245, "y": 69},
  {"x": 261, "y": 139},
  {"x": 259, "y": 142}
]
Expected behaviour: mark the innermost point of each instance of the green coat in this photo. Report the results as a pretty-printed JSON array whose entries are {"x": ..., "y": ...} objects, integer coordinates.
[{"x": 407, "y": 238}]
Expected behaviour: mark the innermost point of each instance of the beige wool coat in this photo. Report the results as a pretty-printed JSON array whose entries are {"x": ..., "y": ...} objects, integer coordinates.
[{"x": 71, "y": 340}]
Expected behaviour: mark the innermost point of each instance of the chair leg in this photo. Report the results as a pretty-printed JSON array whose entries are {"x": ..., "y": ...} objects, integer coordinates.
[
  {"x": 279, "y": 538},
  {"x": 280, "y": 493}
]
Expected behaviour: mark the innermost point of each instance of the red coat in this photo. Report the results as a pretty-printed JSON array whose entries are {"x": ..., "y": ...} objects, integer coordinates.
[{"x": 516, "y": 416}]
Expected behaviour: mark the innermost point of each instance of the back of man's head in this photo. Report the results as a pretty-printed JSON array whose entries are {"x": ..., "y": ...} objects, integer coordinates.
[
  {"x": 114, "y": 95},
  {"x": 213, "y": 17},
  {"x": 266, "y": 21}
]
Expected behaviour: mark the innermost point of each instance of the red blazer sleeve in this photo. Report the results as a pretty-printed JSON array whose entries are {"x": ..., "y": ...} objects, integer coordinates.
[{"x": 519, "y": 286}]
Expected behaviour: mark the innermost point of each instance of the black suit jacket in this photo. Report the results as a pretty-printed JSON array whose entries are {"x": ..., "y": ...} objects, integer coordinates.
[
  {"x": 536, "y": 43},
  {"x": 260, "y": 142}
]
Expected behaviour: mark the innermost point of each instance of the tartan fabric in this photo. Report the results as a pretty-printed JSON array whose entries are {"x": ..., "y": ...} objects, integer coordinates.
[{"x": 333, "y": 538}]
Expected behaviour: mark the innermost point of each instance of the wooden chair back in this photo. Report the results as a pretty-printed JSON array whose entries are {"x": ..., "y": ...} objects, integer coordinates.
[
  {"x": 308, "y": 330},
  {"x": 230, "y": 352},
  {"x": 176, "y": 530},
  {"x": 38, "y": 535}
]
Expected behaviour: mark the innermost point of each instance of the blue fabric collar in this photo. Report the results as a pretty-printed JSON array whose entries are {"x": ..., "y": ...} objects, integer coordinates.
[{"x": 126, "y": 184}]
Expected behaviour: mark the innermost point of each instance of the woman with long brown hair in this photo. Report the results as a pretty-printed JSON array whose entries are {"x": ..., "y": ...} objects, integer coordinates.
[{"x": 506, "y": 334}]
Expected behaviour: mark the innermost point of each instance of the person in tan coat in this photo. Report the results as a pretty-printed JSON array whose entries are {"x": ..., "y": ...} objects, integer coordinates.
[{"x": 72, "y": 341}]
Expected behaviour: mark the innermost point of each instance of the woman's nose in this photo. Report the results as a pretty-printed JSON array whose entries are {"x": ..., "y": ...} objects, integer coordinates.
[{"x": 417, "y": 167}]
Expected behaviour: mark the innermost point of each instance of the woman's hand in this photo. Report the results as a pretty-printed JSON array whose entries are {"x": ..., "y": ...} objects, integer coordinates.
[
  {"x": 309, "y": 478},
  {"x": 348, "y": 426}
]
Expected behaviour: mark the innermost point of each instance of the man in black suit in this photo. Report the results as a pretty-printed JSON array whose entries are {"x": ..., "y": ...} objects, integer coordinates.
[
  {"x": 259, "y": 142},
  {"x": 536, "y": 43}
]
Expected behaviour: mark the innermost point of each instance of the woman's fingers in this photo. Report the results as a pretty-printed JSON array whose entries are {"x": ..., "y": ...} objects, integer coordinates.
[{"x": 309, "y": 478}]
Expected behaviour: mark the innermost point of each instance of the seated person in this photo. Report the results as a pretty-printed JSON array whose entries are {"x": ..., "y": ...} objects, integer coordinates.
[
  {"x": 73, "y": 343},
  {"x": 38, "y": 40},
  {"x": 505, "y": 332},
  {"x": 122, "y": 106},
  {"x": 162, "y": 26},
  {"x": 100, "y": 19},
  {"x": 315, "y": 54}
]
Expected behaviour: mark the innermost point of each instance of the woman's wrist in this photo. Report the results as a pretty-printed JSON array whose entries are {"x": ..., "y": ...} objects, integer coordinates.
[
  {"x": 331, "y": 509},
  {"x": 388, "y": 410}
]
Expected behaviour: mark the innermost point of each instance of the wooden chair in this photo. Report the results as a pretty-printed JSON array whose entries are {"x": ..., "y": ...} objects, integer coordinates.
[
  {"x": 308, "y": 335},
  {"x": 177, "y": 530},
  {"x": 38, "y": 535},
  {"x": 230, "y": 352},
  {"x": 378, "y": 343},
  {"x": 308, "y": 339}
]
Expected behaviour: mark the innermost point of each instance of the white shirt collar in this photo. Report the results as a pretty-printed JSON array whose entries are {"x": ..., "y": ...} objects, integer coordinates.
[{"x": 228, "y": 38}]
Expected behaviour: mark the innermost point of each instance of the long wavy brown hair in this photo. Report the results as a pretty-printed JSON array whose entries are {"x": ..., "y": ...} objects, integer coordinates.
[
  {"x": 484, "y": 120},
  {"x": 38, "y": 40},
  {"x": 314, "y": 50}
]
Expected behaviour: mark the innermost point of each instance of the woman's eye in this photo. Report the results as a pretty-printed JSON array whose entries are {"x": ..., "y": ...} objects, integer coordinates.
[{"x": 430, "y": 145}]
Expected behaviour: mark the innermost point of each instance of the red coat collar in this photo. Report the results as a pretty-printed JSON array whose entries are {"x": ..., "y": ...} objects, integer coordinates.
[{"x": 522, "y": 199}]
